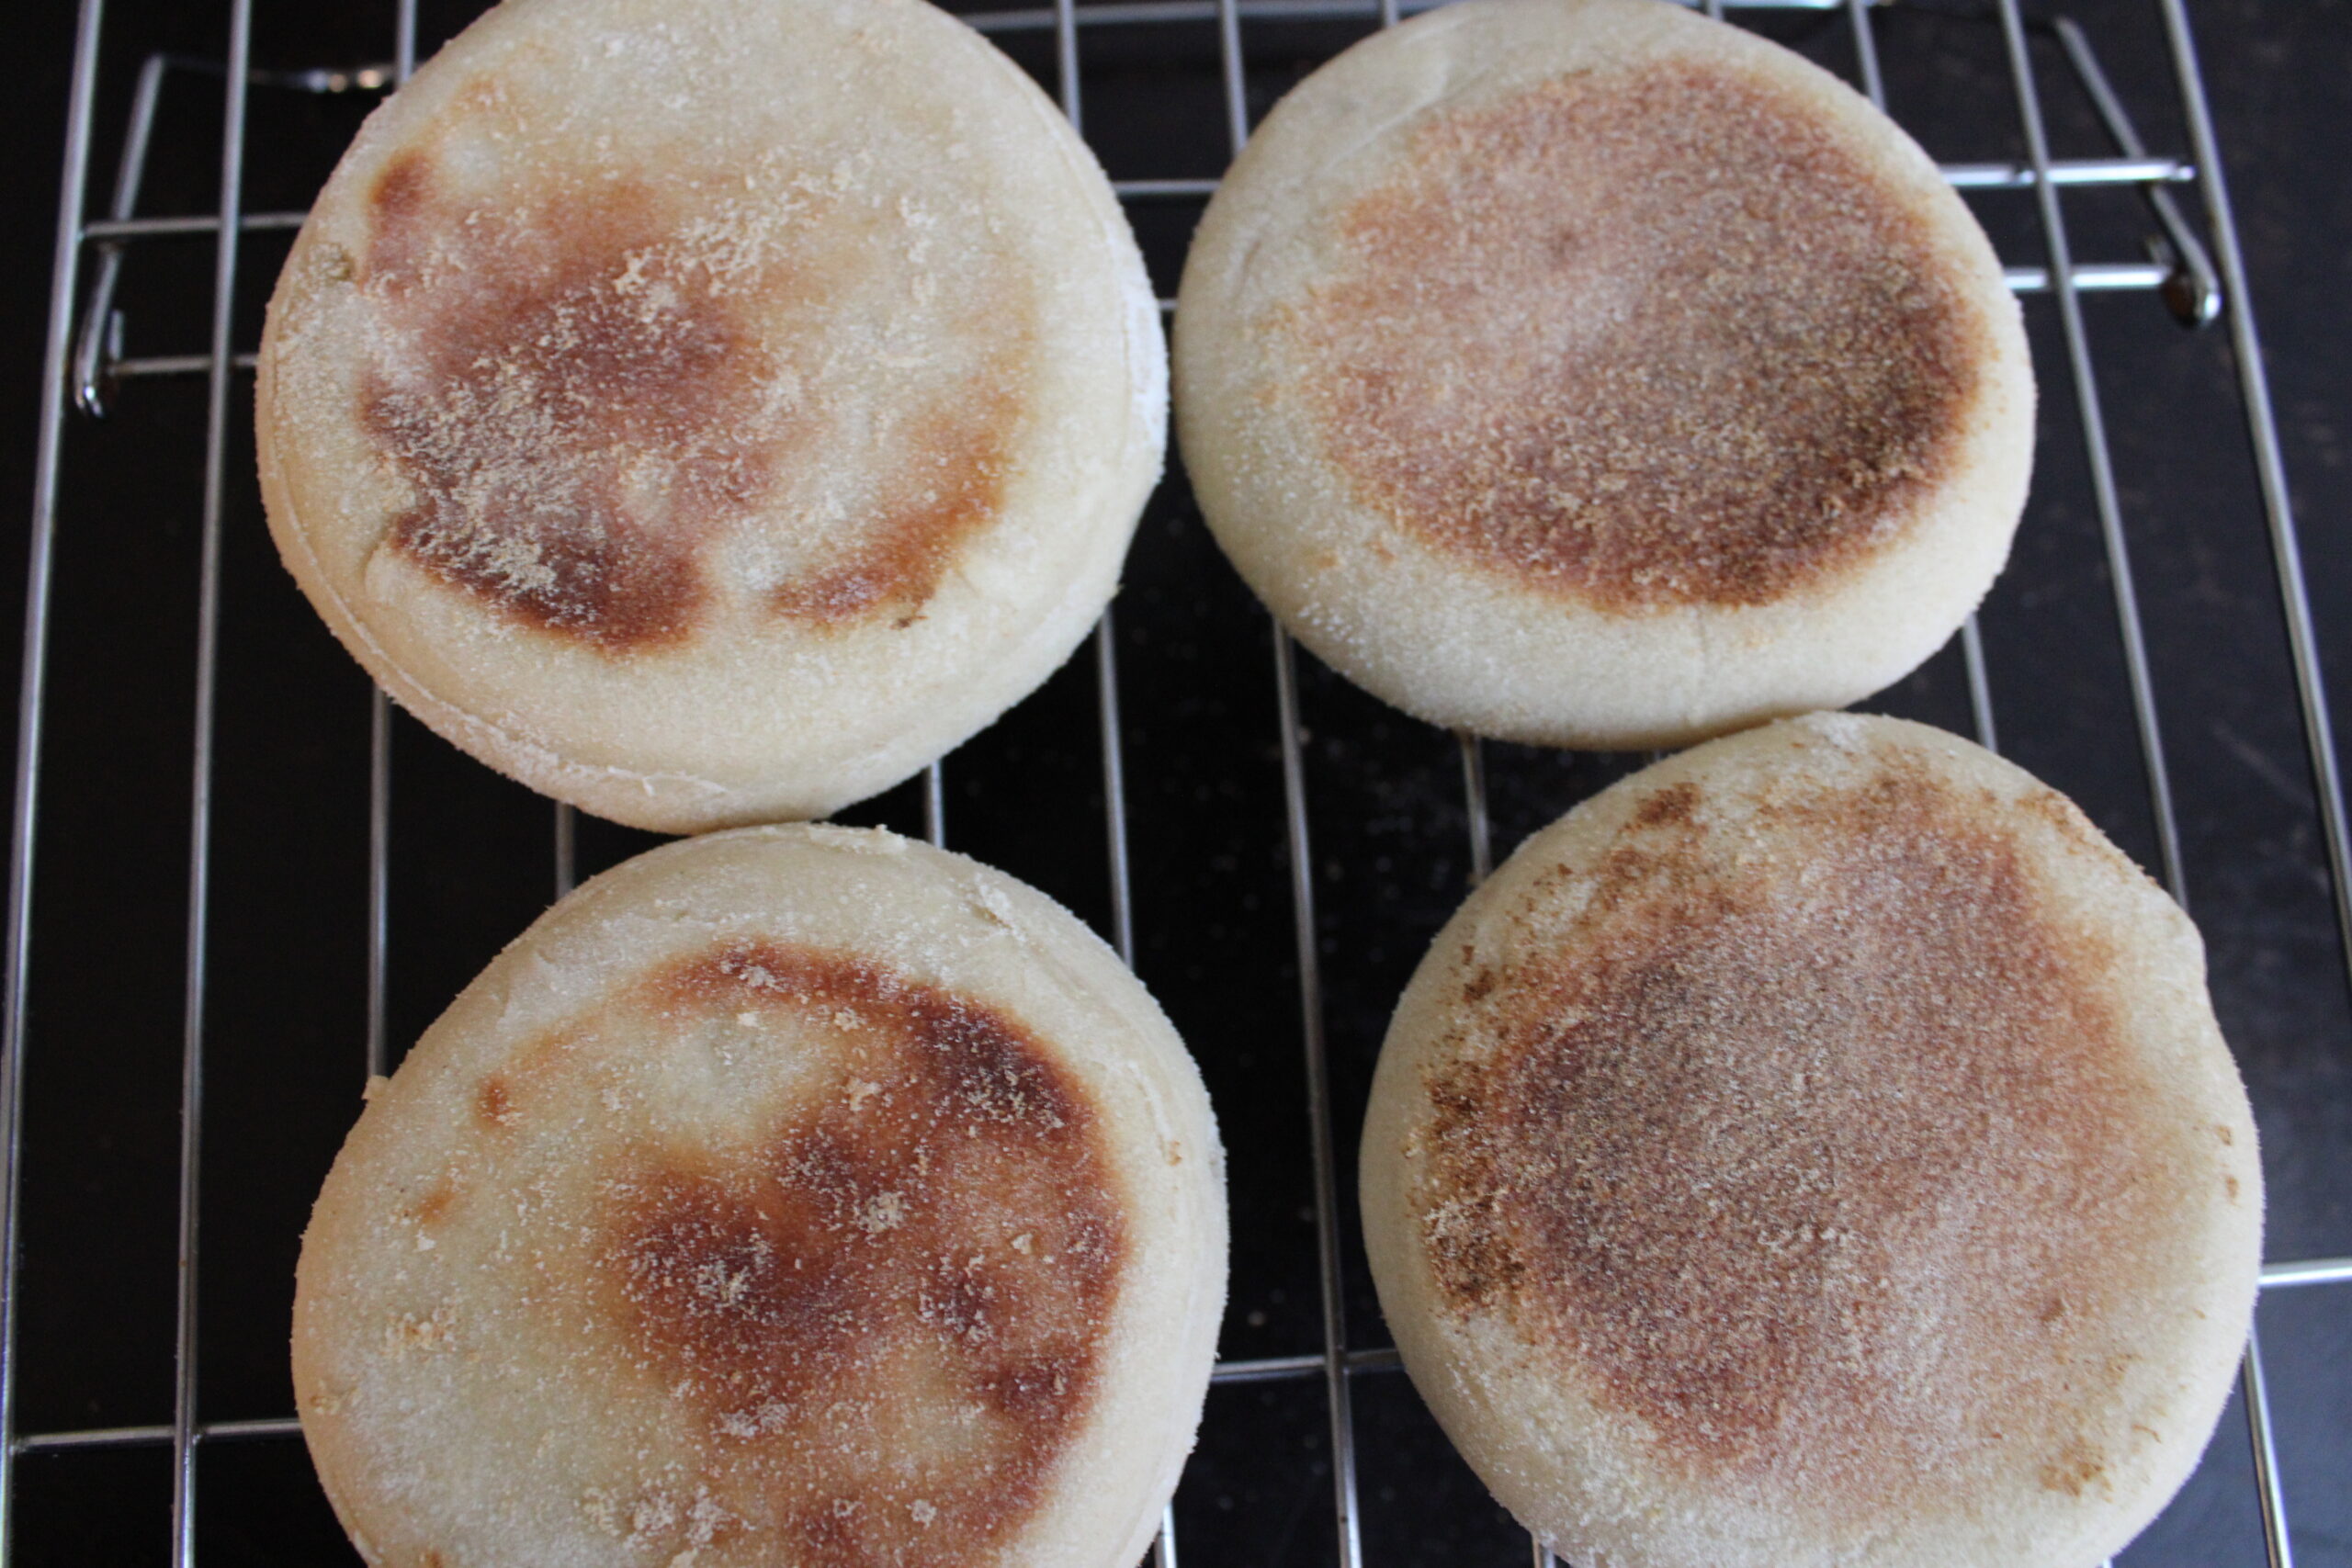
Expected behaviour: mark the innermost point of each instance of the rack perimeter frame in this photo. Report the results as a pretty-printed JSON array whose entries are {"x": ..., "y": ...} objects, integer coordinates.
[{"x": 2199, "y": 282}]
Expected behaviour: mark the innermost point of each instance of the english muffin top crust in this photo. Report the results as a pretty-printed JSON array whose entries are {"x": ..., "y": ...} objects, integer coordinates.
[
  {"x": 887, "y": 1309},
  {"x": 1645, "y": 337},
  {"x": 1815, "y": 1150},
  {"x": 593, "y": 385},
  {"x": 710, "y": 412},
  {"x": 783, "y": 1198},
  {"x": 1820, "y": 1151},
  {"x": 879, "y": 1302}
]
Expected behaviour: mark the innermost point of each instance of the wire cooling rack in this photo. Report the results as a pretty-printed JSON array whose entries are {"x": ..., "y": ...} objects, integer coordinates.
[{"x": 2192, "y": 269}]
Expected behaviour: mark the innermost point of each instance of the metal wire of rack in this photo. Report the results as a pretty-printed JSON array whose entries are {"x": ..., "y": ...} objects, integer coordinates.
[{"x": 88, "y": 368}]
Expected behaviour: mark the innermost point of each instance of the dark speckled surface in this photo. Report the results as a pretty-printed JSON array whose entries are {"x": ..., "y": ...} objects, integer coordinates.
[{"x": 472, "y": 854}]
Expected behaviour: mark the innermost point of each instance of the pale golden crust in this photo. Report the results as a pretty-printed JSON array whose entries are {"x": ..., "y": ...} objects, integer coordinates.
[
  {"x": 1829, "y": 1129},
  {"x": 660, "y": 404},
  {"x": 1586, "y": 373},
  {"x": 766, "y": 1250}
]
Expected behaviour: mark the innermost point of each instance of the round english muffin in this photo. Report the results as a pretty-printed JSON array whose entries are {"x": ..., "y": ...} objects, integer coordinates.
[
  {"x": 710, "y": 411},
  {"x": 1588, "y": 373},
  {"x": 1817, "y": 1150},
  {"x": 799, "y": 1196}
]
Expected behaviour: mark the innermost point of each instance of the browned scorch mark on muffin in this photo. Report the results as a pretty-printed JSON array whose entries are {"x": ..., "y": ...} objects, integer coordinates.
[
  {"x": 1643, "y": 338},
  {"x": 1827, "y": 1167},
  {"x": 888, "y": 1315},
  {"x": 957, "y": 461},
  {"x": 493, "y": 1102},
  {"x": 591, "y": 391}
]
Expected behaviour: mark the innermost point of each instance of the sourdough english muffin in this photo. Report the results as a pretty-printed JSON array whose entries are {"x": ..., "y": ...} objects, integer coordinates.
[
  {"x": 1817, "y": 1150},
  {"x": 1589, "y": 373},
  {"x": 798, "y": 1197},
  {"x": 711, "y": 410}
]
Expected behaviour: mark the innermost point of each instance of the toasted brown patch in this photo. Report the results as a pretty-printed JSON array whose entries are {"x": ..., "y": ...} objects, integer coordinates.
[
  {"x": 591, "y": 389},
  {"x": 1643, "y": 338},
  {"x": 493, "y": 1104},
  {"x": 2072, "y": 1472},
  {"x": 1674, "y": 806},
  {"x": 436, "y": 1202},
  {"x": 886, "y": 1315},
  {"x": 1830, "y": 1164},
  {"x": 958, "y": 459}
]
